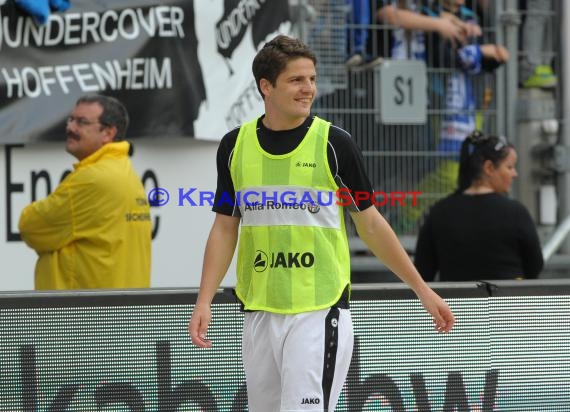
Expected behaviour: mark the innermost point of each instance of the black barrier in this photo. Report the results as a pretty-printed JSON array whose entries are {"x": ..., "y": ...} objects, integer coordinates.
[{"x": 129, "y": 350}]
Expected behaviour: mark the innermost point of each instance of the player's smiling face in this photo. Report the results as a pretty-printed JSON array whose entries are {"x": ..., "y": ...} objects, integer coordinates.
[{"x": 292, "y": 95}]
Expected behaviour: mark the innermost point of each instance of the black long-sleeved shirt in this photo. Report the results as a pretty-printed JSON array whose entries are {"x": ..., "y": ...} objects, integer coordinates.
[{"x": 478, "y": 237}]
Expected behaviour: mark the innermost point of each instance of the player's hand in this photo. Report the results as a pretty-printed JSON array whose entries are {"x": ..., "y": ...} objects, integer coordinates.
[
  {"x": 443, "y": 317},
  {"x": 198, "y": 326}
]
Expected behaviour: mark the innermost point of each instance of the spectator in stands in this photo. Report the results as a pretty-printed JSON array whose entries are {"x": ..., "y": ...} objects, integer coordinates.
[
  {"x": 478, "y": 233},
  {"x": 535, "y": 68},
  {"x": 293, "y": 267},
  {"x": 397, "y": 13},
  {"x": 411, "y": 21},
  {"x": 468, "y": 60},
  {"x": 414, "y": 26},
  {"x": 357, "y": 32},
  {"x": 94, "y": 230},
  {"x": 460, "y": 102}
]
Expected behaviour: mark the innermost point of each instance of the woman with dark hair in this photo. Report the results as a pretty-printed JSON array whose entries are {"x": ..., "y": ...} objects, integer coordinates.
[{"x": 477, "y": 232}]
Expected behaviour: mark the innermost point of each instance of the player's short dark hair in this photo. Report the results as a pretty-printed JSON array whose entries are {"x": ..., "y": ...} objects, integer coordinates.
[{"x": 272, "y": 59}]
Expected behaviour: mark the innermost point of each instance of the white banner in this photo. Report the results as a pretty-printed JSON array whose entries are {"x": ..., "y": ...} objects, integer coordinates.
[{"x": 180, "y": 232}]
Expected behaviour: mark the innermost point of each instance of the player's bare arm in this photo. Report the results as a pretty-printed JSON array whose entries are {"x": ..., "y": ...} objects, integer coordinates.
[
  {"x": 375, "y": 231},
  {"x": 218, "y": 255}
]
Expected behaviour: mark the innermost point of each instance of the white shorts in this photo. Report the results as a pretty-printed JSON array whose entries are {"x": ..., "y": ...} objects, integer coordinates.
[{"x": 296, "y": 362}]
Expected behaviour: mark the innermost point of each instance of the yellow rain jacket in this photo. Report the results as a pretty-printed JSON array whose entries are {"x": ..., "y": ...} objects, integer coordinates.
[{"x": 94, "y": 230}]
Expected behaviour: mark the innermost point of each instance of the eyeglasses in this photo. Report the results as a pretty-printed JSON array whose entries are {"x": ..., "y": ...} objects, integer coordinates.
[{"x": 81, "y": 121}]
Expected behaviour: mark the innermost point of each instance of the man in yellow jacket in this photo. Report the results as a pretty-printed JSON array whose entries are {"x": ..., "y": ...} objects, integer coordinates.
[{"x": 94, "y": 230}]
